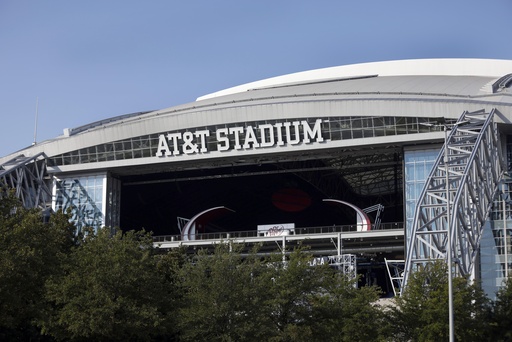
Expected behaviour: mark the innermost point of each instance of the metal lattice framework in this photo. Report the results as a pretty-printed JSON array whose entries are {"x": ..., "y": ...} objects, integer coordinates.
[
  {"x": 461, "y": 188},
  {"x": 346, "y": 263},
  {"x": 28, "y": 177},
  {"x": 395, "y": 270}
]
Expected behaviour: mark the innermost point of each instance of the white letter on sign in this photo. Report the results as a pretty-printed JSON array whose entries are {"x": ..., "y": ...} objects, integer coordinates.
[
  {"x": 250, "y": 138},
  {"x": 202, "y": 135},
  {"x": 317, "y": 131},
  {"x": 162, "y": 146},
  {"x": 174, "y": 138},
  {"x": 222, "y": 139},
  {"x": 263, "y": 135}
]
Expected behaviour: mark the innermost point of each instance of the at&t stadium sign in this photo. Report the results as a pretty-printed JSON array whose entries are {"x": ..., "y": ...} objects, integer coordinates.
[{"x": 240, "y": 137}]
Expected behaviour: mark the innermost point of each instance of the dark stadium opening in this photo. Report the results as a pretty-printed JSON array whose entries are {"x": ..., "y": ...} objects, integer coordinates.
[
  {"x": 256, "y": 194},
  {"x": 254, "y": 201}
]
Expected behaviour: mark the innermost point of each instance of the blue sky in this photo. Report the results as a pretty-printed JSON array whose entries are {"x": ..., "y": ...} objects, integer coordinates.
[{"x": 84, "y": 61}]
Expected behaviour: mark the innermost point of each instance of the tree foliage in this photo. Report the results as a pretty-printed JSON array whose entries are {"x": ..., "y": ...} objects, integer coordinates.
[
  {"x": 221, "y": 295},
  {"x": 110, "y": 291},
  {"x": 31, "y": 251},
  {"x": 422, "y": 311},
  {"x": 347, "y": 313},
  {"x": 228, "y": 297},
  {"x": 318, "y": 303},
  {"x": 502, "y": 313}
]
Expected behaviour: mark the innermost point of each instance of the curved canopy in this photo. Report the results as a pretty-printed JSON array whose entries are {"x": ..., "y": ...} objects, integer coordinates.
[
  {"x": 363, "y": 221},
  {"x": 201, "y": 219}
]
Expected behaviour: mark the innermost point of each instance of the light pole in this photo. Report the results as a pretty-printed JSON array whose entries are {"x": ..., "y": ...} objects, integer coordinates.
[{"x": 449, "y": 236}]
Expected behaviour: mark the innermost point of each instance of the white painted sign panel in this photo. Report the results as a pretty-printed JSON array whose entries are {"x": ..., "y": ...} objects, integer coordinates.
[{"x": 276, "y": 229}]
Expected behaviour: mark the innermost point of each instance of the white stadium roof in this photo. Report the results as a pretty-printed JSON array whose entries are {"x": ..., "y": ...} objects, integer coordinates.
[{"x": 412, "y": 67}]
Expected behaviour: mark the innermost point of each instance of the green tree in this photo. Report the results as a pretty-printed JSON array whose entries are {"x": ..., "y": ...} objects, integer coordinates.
[
  {"x": 502, "y": 313},
  {"x": 222, "y": 296},
  {"x": 422, "y": 311},
  {"x": 31, "y": 251},
  {"x": 111, "y": 291},
  {"x": 233, "y": 297},
  {"x": 291, "y": 296},
  {"x": 318, "y": 303},
  {"x": 346, "y": 313}
]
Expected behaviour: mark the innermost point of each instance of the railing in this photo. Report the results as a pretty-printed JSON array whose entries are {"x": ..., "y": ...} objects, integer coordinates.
[{"x": 255, "y": 233}]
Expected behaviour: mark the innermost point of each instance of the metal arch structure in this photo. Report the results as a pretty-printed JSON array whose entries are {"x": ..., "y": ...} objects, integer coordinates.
[
  {"x": 28, "y": 177},
  {"x": 189, "y": 231},
  {"x": 461, "y": 188},
  {"x": 363, "y": 221}
]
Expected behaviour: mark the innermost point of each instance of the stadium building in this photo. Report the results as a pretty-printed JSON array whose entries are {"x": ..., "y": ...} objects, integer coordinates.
[{"x": 370, "y": 165}]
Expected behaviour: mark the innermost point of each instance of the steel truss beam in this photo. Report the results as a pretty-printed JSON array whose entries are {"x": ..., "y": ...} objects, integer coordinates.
[
  {"x": 346, "y": 263},
  {"x": 395, "y": 272},
  {"x": 474, "y": 165},
  {"x": 28, "y": 177}
]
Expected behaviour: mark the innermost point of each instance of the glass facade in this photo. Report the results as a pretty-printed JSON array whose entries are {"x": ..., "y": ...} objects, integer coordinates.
[
  {"x": 333, "y": 128},
  {"x": 93, "y": 199},
  {"x": 113, "y": 203},
  {"x": 417, "y": 167},
  {"x": 495, "y": 246}
]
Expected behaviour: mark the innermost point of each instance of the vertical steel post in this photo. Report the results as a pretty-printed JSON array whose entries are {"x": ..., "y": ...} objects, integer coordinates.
[
  {"x": 339, "y": 244},
  {"x": 284, "y": 249},
  {"x": 449, "y": 242},
  {"x": 505, "y": 242}
]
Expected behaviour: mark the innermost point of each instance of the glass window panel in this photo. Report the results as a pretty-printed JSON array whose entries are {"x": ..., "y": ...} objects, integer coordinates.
[
  {"x": 378, "y": 122},
  {"x": 146, "y": 153},
  {"x": 335, "y": 135},
  {"x": 93, "y": 158},
  {"x": 85, "y": 158},
  {"x": 412, "y": 125},
  {"x": 136, "y": 143},
  {"x": 389, "y": 120},
  {"x": 110, "y": 156},
  {"x": 346, "y": 134},
  {"x": 154, "y": 143},
  {"x": 400, "y": 126},
  {"x": 357, "y": 133},
  {"x": 367, "y": 125},
  {"x": 118, "y": 146},
  {"x": 379, "y": 127},
  {"x": 212, "y": 145},
  {"x": 356, "y": 123},
  {"x": 119, "y": 155},
  {"x": 98, "y": 196}
]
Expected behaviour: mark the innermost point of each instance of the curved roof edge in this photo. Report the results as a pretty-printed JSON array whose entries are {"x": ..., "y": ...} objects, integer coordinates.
[{"x": 418, "y": 67}]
